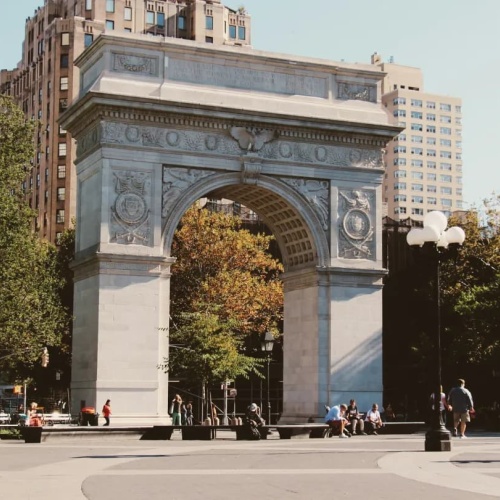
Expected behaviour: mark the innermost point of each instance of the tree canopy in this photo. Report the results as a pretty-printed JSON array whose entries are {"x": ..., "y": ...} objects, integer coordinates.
[
  {"x": 31, "y": 314},
  {"x": 225, "y": 294}
]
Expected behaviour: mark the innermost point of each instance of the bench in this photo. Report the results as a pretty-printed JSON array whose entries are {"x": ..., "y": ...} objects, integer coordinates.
[{"x": 301, "y": 431}]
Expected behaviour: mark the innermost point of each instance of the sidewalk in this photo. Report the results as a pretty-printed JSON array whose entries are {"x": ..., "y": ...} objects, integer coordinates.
[{"x": 374, "y": 467}]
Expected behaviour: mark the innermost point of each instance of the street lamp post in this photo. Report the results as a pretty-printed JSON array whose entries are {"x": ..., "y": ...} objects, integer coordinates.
[
  {"x": 439, "y": 242},
  {"x": 267, "y": 345}
]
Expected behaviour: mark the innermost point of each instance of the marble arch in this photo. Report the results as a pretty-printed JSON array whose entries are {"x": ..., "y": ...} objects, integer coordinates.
[{"x": 160, "y": 123}]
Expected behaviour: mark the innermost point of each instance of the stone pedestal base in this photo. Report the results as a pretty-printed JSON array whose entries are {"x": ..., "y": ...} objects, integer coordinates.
[{"x": 437, "y": 440}]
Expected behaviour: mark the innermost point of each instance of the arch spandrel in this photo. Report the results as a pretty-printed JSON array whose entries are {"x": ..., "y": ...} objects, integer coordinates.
[{"x": 298, "y": 230}]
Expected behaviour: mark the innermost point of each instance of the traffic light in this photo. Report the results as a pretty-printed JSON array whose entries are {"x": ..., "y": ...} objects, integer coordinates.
[{"x": 45, "y": 357}]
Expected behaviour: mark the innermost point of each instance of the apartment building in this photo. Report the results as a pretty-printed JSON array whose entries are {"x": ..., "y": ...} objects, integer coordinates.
[
  {"x": 45, "y": 81},
  {"x": 424, "y": 162}
]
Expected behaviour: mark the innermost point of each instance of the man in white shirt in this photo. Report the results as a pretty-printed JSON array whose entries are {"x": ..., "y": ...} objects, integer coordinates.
[
  {"x": 336, "y": 420},
  {"x": 373, "y": 420}
]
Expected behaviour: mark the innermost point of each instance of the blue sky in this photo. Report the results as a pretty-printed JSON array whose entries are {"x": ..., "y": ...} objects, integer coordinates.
[{"x": 455, "y": 42}]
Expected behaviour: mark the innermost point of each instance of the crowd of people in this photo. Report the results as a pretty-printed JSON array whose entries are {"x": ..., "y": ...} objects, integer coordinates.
[{"x": 346, "y": 420}]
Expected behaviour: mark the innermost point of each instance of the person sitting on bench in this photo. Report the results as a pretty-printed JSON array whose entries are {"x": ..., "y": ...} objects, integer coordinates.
[
  {"x": 355, "y": 419},
  {"x": 336, "y": 420}
]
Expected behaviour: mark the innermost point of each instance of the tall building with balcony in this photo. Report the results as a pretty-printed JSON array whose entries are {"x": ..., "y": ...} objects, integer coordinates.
[
  {"x": 45, "y": 81},
  {"x": 424, "y": 162}
]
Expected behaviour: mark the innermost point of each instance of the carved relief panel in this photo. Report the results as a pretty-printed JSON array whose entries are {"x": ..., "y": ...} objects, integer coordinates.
[
  {"x": 130, "y": 218},
  {"x": 356, "y": 230},
  {"x": 317, "y": 193}
]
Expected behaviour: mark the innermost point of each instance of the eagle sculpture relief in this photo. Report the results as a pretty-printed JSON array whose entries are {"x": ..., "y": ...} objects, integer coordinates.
[{"x": 252, "y": 139}]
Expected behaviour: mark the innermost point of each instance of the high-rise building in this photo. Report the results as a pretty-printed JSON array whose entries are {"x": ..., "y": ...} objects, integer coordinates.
[
  {"x": 46, "y": 81},
  {"x": 424, "y": 162}
]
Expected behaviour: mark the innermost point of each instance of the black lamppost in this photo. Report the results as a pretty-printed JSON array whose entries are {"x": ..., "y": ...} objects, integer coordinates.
[
  {"x": 267, "y": 345},
  {"x": 439, "y": 243}
]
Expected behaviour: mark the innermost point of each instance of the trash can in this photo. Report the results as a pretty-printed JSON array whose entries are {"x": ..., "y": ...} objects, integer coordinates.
[
  {"x": 31, "y": 434},
  {"x": 88, "y": 416}
]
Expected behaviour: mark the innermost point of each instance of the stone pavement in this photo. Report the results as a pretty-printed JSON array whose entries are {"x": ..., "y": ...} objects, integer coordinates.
[{"x": 363, "y": 467}]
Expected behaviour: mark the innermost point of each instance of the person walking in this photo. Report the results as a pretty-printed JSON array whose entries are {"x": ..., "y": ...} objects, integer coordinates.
[
  {"x": 106, "y": 411},
  {"x": 461, "y": 403},
  {"x": 176, "y": 410},
  {"x": 189, "y": 413}
]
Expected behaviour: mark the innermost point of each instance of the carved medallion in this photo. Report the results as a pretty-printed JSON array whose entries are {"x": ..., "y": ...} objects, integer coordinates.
[
  {"x": 252, "y": 138},
  {"x": 130, "y": 208}
]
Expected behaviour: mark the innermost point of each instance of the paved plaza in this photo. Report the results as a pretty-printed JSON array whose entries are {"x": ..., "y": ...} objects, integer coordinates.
[{"x": 375, "y": 467}]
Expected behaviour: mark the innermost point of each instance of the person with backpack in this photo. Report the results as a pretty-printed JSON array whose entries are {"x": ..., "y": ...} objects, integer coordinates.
[
  {"x": 461, "y": 403},
  {"x": 253, "y": 421}
]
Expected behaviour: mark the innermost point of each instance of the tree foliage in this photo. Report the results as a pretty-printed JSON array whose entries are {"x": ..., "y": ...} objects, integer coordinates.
[
  {"x": 31, "y": 315},
  {"x": 471, "y": 286},
  {"x": 225, "y": 294}
]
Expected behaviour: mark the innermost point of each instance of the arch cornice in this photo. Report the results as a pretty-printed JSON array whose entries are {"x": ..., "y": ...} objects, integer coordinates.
[{"x": 216, "y": 182}]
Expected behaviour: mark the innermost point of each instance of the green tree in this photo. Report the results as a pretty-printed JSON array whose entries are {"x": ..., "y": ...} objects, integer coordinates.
[
  {"x": 471, "y": 286},
  {"x": 31, "y": 314},
  {"x": 225, "y": 294}
]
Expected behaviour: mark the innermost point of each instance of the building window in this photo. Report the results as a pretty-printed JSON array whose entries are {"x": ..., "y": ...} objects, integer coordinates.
[
  {"x": 399, "y": 198},
  {"x": 431, "y": 200},
  {"x": 401, "y": 137},
  {"x": 62, "y": 149},
  {"x": 417, "y": 138},
  {"x": 64, "y": 62},
  {"x": 446, "y": 202},
  {"x": 61, "y": 171},
  {"x": 181, "y": 23},
  {"x": 445, "y": 178},
  {"x": 445, "y": 154},
  {"x": 241, "y": 33},
  {"x": 417, "y": 163},
  {"x": 417, "y": 187},
  {"x": 110, "y": 25},
  {"x": 150, "y": 17},
  {"x": 400, "y": 186},
  {"x": 400, "y": 210},
  {"x": 61, "y": 194},
  {"x": 431, "y": 117},
  {"x": 417, "y": 151},
  {"x": 209, "y": 22},
  {"x": 416, "y": 102},
  {"x": 431, "y": 129},
  {"x": 445, "y": 130},
  {"x": 431, "y": 105},
  {"x": 431, "y": 176},
  {"x": 61, "y": 130},
  {"x": 232, "y": 31},
  {"x": 445, "y": 119},
  {"x": 63, "y": 104},
  {"x": 417, "y": 175},
  {"x": 417, "y": 126},
  {"x": 400, "y": 149},
  {"x": 445, "y": 107},
  {"x": 431, "y": 152},
  {"x": 400, "y": 161},
  {"x": 399, "y": 112},
  {"x": 160, "y": 19},
  {"x": 417, "y": 211},
  {"x": 60, "y": 216},
  {"x": 445, "y": 190},
  {"x": 127, "y": 14},
  {"x": 110, "y": 5},
  {"x": 417, "y": 114},
  {"x": 88, "y": 4},
  {"x": 209, "y": 39},
  {"x": 417, "y": 199},
  {"x": 64, "y": 38},
  {"x": 88, "y": 39},
  {"x": 400, "y": 173},
  {"x": 445, "y": 166},
  {"x": 459, "y": 191},
  {"x": 63, "y": 83},
  {"x": 399, "y": 100},
  {"x": 431, "y": 141},
  {"x": 458, "y": 109},
  {"x": 431, "y": 189},
  {"x": 445, "y": 142}
]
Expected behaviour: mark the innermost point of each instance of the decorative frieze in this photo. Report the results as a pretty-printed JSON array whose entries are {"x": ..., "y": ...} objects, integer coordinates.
[
  {"x": 356, "y": 231},
  {"x": 130, "y": 215},
  {"x": 233, "y": 141},
  {"x": 224, "y": 75}
]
